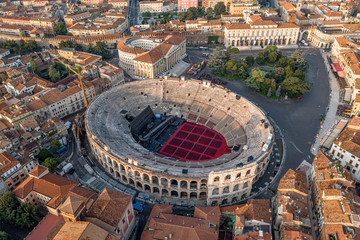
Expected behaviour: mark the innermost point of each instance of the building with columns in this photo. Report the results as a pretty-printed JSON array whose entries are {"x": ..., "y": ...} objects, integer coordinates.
[
  {"x": 149, "y": 57},
  {"x": 259, "y": 32},
  {"x": 324, "y": 34}
]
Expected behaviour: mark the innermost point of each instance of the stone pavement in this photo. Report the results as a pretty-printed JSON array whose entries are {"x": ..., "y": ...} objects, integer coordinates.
[{"x": 331, "y": 118}]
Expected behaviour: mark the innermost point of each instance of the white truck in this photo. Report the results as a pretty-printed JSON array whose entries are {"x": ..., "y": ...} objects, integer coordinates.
[{"x": 67, "y": 168}]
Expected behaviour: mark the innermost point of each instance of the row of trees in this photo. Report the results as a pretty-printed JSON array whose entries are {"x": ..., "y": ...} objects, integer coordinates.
[
  {"x": 200, "y": 12},
  {"x": 21, "y": 47},
  {"x": 19, "y": 214},
  {"x": 99, "y": 48}
]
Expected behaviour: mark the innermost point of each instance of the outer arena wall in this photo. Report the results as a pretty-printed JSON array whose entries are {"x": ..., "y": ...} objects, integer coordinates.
[{"x": 221, "y": 181}]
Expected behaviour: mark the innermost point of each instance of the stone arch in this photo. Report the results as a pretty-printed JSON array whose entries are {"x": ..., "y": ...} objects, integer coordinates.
[
  {"x": 109, "y": 161},
  {"x": 117, "y": 174},
  {"x": 122, "y": 168},
  {"x": 174, "y": 194},
  {"x": 215, "y": 191},
  {"x": 146, "y": 178},
  {"x": 124, "y": 178},
  {"x": 137, "y": 174},
  {"x": 173, "y": 183},
  {"x": 203, "y": 186},
  {"x": 193, "y": 185},
  {"x": 216, "y": 179},
  {"x": 139, "y": 185},
  {"x": 193, "y": 195},
  {"x": 238, "y": 176},
  {"x": 147, "y": 188},
  {"x": 224, "y": 201},
  {"x": 111, "y": 171},
  {"x": 246, "y": 185},
  {"x": 202, "y": 195},
  {"x": 234, "y": 199},
  {"x": 236, "y": 188},
  {"x": 131, "y": 182},
  {"x": 116, "y": 165},
  {"x": 164, "y": 192},
  {"x": 225, "y": 190},
  {"x": 155, "y": 180},
  {"x": 129, "y": 170},
  {"x": 113, "y": 163},
  {"x": 183, "y": 184},
  {"x": 203, "y": 181},
  {"x": 243, "y": 196},
  {"x": 164, "y": 182},
  {"x": 183, "y": 195},
  {"x": 228, "y": 177},
  {"x": 156, "y": 190},
  {"x": 214, "y": 203}
]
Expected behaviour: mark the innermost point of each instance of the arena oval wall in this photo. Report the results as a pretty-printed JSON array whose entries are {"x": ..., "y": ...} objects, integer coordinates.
[{"x": 224, "y": 180}]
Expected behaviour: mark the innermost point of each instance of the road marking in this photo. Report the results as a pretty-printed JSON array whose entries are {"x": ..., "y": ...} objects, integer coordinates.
[{"x": 296, "y": 147}]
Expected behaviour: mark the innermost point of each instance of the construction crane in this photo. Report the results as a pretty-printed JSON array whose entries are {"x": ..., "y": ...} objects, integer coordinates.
[{"x": 76, "y": 73}]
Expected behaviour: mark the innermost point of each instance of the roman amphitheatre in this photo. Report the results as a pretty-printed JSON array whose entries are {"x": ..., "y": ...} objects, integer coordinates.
[{"x": 180, "y": 140}]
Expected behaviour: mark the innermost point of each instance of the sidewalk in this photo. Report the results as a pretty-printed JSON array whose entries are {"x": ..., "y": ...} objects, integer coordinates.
[{"x": 331, "y": 119}]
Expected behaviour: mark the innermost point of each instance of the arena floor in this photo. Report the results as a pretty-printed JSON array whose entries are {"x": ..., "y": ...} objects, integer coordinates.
[{"x": 193, "y": 142}]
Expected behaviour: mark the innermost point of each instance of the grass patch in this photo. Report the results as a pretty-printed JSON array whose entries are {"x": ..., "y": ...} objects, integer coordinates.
[{"x": 268, "y": 64}]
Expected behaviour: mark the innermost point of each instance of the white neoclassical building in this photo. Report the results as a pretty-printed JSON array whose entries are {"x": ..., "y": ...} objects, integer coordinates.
[
  {"x": 149, "y": 57},
  {"x": 261, "y": 32}
]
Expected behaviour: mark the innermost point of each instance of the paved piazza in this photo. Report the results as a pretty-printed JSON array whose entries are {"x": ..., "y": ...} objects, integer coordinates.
[{"x": 223, "y": 180}]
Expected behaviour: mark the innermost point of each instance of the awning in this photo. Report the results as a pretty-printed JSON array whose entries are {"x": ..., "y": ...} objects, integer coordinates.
[
  {"x": 336, "y": 68},
  {"x": 348, "y": 93}
]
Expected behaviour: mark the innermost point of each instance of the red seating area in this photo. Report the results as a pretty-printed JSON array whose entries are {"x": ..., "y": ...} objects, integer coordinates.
[{"x": 193, "y": 142}]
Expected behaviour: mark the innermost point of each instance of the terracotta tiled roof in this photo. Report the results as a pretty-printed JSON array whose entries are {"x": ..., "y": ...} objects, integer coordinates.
[
  {"x": 294, "y": 180},
  {"x": 53, "y": 96},
  {"x": 110, "y": 207},
  {"x": 81, "y": 231},
  {"x": 50, "y": 185},
  {"x": 36, "y": 105},
  {"x": 162, "y": 223},
  {"x": 7, "y": 162},
  {"x": 71, "y": 205}
]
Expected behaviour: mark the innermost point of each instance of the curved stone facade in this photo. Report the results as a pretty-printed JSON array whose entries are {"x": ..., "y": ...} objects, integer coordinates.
[
  {"x": 149, "y": 57},
  {"x": 223, "y": 180}
]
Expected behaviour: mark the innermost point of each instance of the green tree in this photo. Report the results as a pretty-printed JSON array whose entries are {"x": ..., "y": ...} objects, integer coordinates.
[
  {"x": 250, "y": 60},
  {"x": 209, "y": 13},
  {"x": 219, "y": 8},
  {"x": 243, "y": 69},
  {"x": 216, "y": 61},
  {"x": 228, "y": 53},
  {"x": 100, "y": 48},
  {"x": 260, "y": 59},
  {"x": 235, "y": 51},
  {"x": 279, "y": 74},
  {"x": 300, "y": 61},
  {"x": 272, "y": 57},
  {"x": 231, "y": 66},
  {"x": 282, "y": 62},
  {"x": 54, "y": 74},
  {"x": 51, "y": 163},
  {"x": 34, "y": 67},
  {"x": 21, "y": 215},
  {"x": 182, "y": 16},
  {"x": 299, "y": 74},
  {"x": 192, "y": 13},
  {"x": 4, "y": 236},
  {"x": 273, "y": 86},
  {"x": 255, "y": 79},
  {"x": 295, "y": 87},
  {"x": 43, "y": 154},
  {"x": 55, "y": 144},
  {"x": 146, "y": 14},
  {"x": 23, "y": 34},
  {"x": 60, "y": 28},
  {"x": 288, "y": 72},
  {"x": 70, "y": 44}
]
